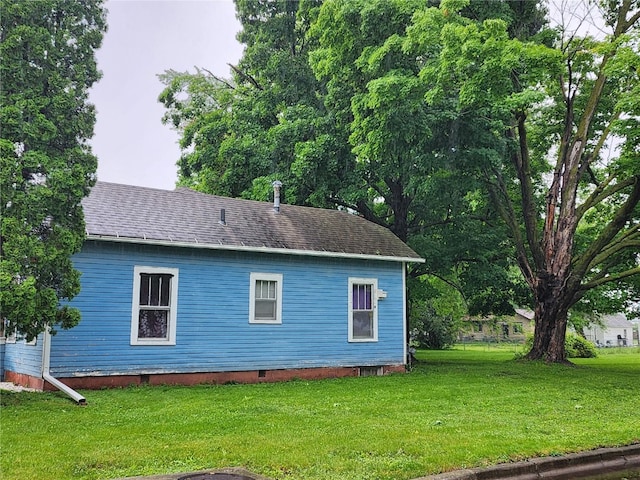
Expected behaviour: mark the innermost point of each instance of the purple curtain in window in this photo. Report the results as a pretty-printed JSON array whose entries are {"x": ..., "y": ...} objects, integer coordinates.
[{"x": 362, "y": 297}]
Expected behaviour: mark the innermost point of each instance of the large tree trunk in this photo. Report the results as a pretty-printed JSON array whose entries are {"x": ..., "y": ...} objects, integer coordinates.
[{"x": 550, "y": 323}]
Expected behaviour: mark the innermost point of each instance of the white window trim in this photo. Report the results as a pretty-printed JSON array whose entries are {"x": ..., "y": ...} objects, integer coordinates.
[
  {"x": 173, "y": 306},
  {"x": 374, "y": 303},
  {"x": 253, "y": 277},
  {"x": 11, "y": 337}
]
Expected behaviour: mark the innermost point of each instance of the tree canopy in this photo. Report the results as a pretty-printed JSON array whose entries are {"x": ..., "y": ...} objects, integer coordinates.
[
  {"x": 47, "y": 66},
  {"x": 561, "y": 162},
  {"x": 504, "y": 153},
  {"x": 311, "y": 105},
  {"x": 240, "y": 134}
]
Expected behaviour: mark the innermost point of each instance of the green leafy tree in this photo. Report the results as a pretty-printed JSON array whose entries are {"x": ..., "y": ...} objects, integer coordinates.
[
  {"x": 47, "y": 66},
  {"x": 240, "y": 134},
  {"x": 352, "y": 131},
  {"x": 549, "y": 114},
  {"x": 405, "y": 148}
]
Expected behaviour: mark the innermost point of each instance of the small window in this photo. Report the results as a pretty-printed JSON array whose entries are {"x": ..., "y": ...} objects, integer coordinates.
[
  {"x": 155, "y": 293},
  {"x": 363, "y": 312},
  {"x": 505, "y": 329},
  {"x": 265, "y": 298},
  {"x": 518, "y": 327}
]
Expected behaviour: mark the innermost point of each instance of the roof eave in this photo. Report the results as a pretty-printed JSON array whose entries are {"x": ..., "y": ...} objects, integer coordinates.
[{"x": 244, "y": 248}]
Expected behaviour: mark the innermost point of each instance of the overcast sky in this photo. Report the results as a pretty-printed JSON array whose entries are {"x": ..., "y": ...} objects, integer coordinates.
[{"x": 145, "y": 38}]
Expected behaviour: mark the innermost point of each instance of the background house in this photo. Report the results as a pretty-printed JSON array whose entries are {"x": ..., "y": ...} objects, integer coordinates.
[
  {"x": 636, "y": 331},
  {"x": 184, "y": 287},
  {"x": 615, "y": 331},
  {"x": 511, "y": 328}
]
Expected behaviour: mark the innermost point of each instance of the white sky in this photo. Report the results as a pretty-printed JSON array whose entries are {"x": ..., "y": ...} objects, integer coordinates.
[{"x": 145, "y": 38}]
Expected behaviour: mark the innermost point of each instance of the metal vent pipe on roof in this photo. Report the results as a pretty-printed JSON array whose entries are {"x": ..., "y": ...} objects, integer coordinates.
[{"x": 276, "y": 195}]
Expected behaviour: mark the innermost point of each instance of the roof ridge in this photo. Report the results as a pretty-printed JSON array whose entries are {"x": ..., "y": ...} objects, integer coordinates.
[{"x": 189, "y": 190}]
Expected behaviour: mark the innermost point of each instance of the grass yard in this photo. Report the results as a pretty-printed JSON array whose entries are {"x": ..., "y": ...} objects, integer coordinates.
[{"x": 458, "y": 408}]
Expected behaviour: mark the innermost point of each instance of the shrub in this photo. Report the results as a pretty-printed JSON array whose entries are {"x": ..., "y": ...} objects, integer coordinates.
[
  {"x": 579, "y": 347},
  {"x": 432, "y": 331},
  {"x": 575, "y": 346}
]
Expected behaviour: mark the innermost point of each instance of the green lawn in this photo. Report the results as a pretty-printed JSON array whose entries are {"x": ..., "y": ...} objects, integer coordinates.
[{"x": 458, "y": 408}]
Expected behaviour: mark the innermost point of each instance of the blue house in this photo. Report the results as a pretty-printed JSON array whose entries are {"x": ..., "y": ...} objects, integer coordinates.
[{"x": 181, "y": 287}]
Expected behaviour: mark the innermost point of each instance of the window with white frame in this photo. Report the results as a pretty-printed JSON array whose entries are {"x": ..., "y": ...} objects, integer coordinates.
[
  {"x": 155, "y": 294},
  {"x": 363, "y": 311},
  {"x": 265, "y": 298}
]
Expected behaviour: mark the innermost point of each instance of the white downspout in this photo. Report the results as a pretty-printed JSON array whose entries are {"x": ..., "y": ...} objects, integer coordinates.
[
  {"x": 46, "y": 359},
  {"x": 404, "y": 314}
]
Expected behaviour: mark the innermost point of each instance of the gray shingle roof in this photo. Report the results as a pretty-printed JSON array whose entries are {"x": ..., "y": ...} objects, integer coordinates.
[
  {"x": 185, "y": 217},
  {"x": 617, "y": 320},
  {"x": 523, "y": 312}
]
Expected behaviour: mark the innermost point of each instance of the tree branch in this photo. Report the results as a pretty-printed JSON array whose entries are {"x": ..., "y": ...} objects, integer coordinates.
[
  {"x": 587, "y": 159},
  {"x": 246, "y": 76},
  {"x": 632, "y": 20},
  {"x": 215, "y": 77},
  {"x": 601, "y": 192},
  {"x": 523, "y": 169},
  {"x": 420, "y": 271},
  {"x": 506, "y": 211},
  {"x": 630, "y": 239},
  {"x": 623, "y": 25},
  {"x": 553, "y": 194},
  {"x": 610, "y": 278},
  {"x": 592, "y": 175},
  {"x": 621, "y": 217}
]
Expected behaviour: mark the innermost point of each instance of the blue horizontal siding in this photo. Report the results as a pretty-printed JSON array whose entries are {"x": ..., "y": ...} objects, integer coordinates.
[
  {"x": 21, "y": 357},
  {"x": 213, "y": 330}
]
